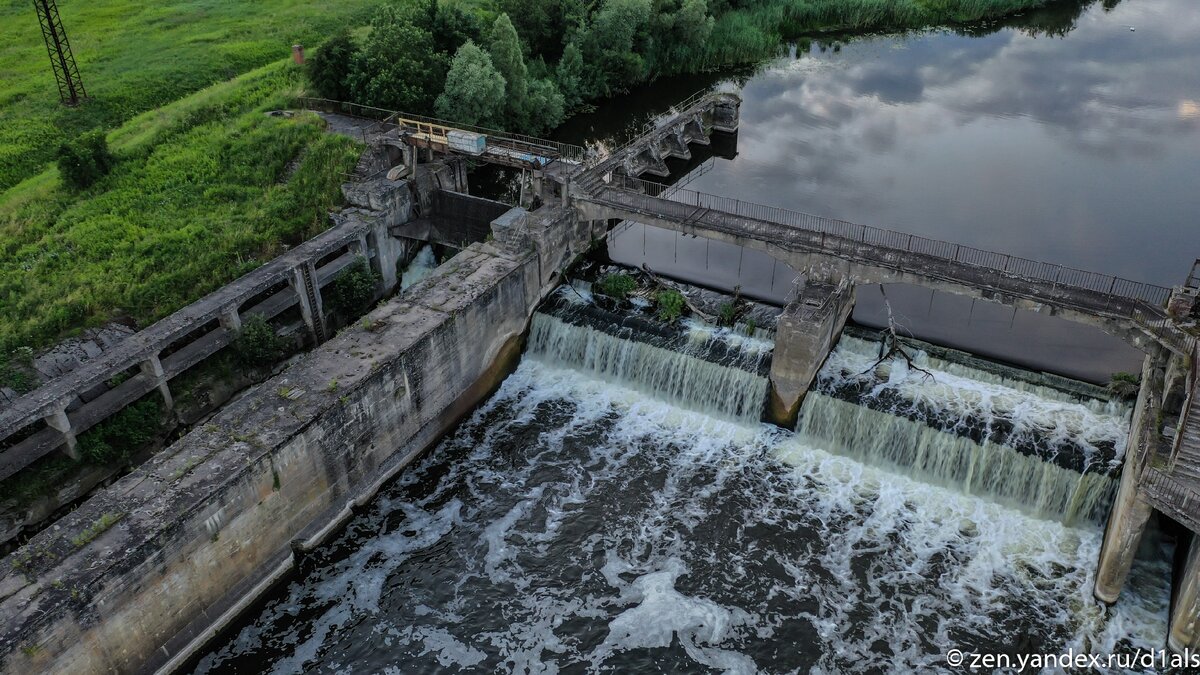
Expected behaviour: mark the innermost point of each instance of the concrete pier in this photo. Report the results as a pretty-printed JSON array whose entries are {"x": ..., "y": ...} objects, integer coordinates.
[
  {"x": 806, "y": 333},
  {"x": 1185, "y": 610},
  {"x": 1130, "y": 510}
]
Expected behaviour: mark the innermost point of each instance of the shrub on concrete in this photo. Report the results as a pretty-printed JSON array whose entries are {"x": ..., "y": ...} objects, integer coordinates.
[
  {"x": 257, "y": 344},
  {"x": 85, "y": 160},
  {"x": 1124, "y": 385},
  {"x": 353, "y": 288},
  {"x": 617, "y": 286},
  {"x": 670, "y": 305}
]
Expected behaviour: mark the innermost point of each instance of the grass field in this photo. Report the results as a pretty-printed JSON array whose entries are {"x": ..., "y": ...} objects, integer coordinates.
[
  {"x": 137, "y": 56},
  {"x": 205, "y": 189}
]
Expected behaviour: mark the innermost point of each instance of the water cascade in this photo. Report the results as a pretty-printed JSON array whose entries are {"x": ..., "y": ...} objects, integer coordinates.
[
  {"x": 713, "y": 375},
  {"x": 421, "y": 266},
  {"x": 1049, "y": 452}
]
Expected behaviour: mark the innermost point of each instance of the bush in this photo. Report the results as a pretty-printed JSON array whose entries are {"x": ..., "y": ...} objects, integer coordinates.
[
  {"x": 16, "y": 370},
  {"x": 1124, "y": 385},
  {"x": 353, "y": 289},
  {"x": 85, "y": 160},
  {"x": 726, "y": 314},
  {"x": 670, "y": 305},
  {"x": 617, "y": 286},
  {"x": 257, "y": 344},
  {"x": 329, "y": 68},
  {"x": 114, "y": 440}
]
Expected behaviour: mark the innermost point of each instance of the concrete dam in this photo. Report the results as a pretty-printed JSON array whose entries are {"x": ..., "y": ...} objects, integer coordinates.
[{"x": 553, "y": 459}]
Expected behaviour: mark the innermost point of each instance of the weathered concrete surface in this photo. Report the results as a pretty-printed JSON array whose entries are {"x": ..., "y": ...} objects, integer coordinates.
[
  {"x": 215, "y": 516},
  {"x": 1184, "y": 631},
  {"x": 806, "y": 333}
]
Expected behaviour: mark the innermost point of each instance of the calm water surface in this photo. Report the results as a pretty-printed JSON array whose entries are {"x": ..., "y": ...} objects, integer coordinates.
[{"x": 1067, "y": 138}]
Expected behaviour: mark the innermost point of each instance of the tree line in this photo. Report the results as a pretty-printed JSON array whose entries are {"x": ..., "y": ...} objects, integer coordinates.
[{"x": 518, "y": 64}]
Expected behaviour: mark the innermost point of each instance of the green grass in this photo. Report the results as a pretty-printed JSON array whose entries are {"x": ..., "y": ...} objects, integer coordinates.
[
  {"x": 204, "y": 190},
  {"x": 137, "y": 56}
]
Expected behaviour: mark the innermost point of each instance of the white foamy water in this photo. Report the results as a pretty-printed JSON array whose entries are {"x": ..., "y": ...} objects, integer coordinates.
[
  {"x": 573, "y": 523},
  {"x": 965, "y": 393},
  {"x": 423, "y": 264}
]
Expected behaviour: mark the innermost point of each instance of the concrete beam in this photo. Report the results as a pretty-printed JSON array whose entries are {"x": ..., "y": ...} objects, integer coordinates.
[{"x": 806, "y": 333}]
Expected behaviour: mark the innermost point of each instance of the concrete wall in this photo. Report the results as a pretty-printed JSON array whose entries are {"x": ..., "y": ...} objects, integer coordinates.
[
  {"x": 152, "y": 564},
  {"x": 805, "y": 335}
]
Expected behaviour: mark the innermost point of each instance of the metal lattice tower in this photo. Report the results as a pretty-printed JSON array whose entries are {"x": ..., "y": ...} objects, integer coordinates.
[{"x": 62, "y": 61}]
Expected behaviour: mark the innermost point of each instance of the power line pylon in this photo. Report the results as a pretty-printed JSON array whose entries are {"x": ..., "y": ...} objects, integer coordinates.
[{"x": 62, "y": 61}]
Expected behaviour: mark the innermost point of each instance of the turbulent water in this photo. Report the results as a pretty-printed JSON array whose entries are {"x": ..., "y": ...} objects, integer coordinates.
[
  {"x": 579, "y": 521},
  {"x": 422, "y": 265},
  {"x": 1026, "y": 445}
]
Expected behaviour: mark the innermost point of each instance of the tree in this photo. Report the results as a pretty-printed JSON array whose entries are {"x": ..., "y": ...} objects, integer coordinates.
[
  {"x": 397, "y": 67},
  {"x": 329, "y": 68},
  {"x": 611, "y": 42},
  {"x": 505, "y": 49},
  {"x": 570, "y": 76},
  {"x": 85, "y": 159},
  {"x": 474, "y": 92},
  {"x": 453, "y": 26},
  {"x": 545, "y": 109}
]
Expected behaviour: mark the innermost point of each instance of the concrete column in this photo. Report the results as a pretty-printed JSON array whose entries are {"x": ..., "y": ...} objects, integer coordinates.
[
  {"x": 304, "y": 280},
  {"x": 1185, "y": 609},
  {"x": 1126, "y": 523},
  {"x": 1127, "y": 520},
  {"x": 806, "y": 333},
  {"x": 152, "y": 367},
  {"x": 59, "y": 421},
  {"x": 230, "y": 319}
]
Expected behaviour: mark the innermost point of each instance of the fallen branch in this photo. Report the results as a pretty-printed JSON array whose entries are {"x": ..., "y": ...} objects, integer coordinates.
[{"x": 892, "y": 341}]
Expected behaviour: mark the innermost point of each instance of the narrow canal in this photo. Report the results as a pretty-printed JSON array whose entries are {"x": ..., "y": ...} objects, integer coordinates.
[{"x": 602, "y": 512}]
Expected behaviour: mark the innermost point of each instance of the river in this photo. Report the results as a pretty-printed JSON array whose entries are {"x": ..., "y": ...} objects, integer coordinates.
[{"x": 602, "y": 512}]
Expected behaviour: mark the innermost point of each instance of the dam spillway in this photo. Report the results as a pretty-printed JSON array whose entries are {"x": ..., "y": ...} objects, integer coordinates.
[{"x": 596, "y": 513}]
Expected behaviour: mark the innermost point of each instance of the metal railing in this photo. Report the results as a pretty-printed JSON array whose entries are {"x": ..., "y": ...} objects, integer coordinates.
[
  {"x": 530, "y": 144},
  {"x": 1057, "y": 275},
  {"x": 1171, "y": 495}
]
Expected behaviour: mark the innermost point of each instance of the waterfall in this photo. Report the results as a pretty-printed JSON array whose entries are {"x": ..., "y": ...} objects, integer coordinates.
[
  {"x": 677, "y": 377},
  {"x": 1052, "y": 453},
  {"x": 424, "y": 263}
]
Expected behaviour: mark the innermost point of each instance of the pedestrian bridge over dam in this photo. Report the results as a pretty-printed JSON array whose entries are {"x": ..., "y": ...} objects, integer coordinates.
[{"x": 209, "y": 523}]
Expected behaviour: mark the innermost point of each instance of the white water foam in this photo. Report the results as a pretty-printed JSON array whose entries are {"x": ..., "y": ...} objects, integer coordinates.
[
  {"x": 423, "y": 264},
  {"x": 572, "y": 521}
]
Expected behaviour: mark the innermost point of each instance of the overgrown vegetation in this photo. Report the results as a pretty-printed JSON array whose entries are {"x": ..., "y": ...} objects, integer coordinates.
[
  {"x": 97, "y": 528},
  {"x": 670, "y": 305},
  {"x": 114, "y": 440},
  {"x": 1124, "y": 385},
  {"x": 726, "y": 314},
  {"x": 617, "y": 285},
  {"x": 257, "y": 344},
  {"x": 352, "y": 289},
  {"x": 85, "y": 160},
  {"x": 202, "y": 194},
  {"x": 16, "y": 369}
]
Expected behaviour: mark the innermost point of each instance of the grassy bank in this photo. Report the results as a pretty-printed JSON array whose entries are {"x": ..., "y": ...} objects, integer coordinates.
[
  {"x": 135, "y": 57},
  {"x": 204, "y": 190}
]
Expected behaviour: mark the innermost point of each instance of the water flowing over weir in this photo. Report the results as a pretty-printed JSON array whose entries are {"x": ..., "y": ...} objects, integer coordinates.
[
  {"x": 1052, "y": 453},
  {"x": 617, "y": 506}
]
